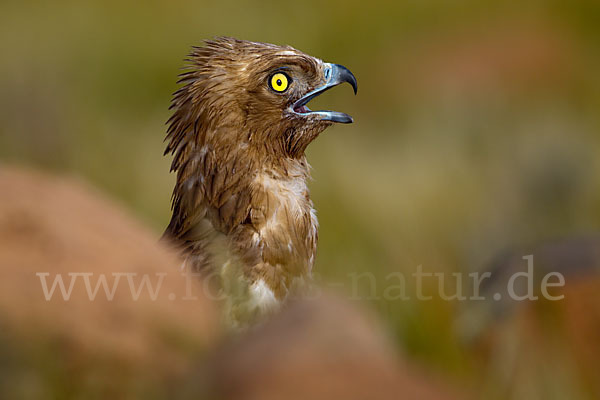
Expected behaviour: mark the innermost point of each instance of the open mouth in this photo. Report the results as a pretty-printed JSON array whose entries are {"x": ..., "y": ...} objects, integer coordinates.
[{"x": 334, "y": 75}]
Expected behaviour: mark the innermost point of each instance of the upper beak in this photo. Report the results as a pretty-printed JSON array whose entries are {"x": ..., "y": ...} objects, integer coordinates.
[{"x": 335, "y": 74}]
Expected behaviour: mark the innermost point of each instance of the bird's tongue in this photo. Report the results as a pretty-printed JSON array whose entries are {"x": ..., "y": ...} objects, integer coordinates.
[{"x": 302, "y": 109}]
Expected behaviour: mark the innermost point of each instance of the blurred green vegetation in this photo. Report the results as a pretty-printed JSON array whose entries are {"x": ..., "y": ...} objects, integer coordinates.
[{"x": 476, "y": 123}]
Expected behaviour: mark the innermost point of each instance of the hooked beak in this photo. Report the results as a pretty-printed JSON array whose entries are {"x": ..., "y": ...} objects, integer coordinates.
[{"x": 335, "y": 74}]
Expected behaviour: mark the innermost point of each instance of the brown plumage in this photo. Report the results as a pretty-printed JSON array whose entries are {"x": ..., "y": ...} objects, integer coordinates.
[{"x": 241, "y": 206}]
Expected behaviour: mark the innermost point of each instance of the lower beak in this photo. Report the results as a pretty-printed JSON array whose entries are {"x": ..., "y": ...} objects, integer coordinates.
[{"x": 335, "y": 74}]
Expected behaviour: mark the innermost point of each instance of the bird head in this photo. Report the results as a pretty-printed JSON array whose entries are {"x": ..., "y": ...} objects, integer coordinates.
[{"x": 241, "y": 92}]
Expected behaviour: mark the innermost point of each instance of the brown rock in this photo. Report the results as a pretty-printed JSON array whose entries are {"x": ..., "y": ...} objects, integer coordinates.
[
  {"x": 325, "y": 348},
  {"x": 79, "y": 346}
]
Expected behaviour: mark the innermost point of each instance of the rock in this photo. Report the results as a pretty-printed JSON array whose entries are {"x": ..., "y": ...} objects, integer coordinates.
[
  {"x": 51, "y": 226},
  {"x": 324, "y": 348}
]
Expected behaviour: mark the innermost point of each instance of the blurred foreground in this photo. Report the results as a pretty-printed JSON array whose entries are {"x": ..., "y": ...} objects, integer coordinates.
[{"x": 59, "y": 342}]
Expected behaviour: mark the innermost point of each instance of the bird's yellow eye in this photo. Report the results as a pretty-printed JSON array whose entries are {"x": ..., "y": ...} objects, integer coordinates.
[{"x": 279, "y": 82}]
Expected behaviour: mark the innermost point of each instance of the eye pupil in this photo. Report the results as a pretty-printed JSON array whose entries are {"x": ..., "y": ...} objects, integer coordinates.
[{"x": 278, "y": 82}]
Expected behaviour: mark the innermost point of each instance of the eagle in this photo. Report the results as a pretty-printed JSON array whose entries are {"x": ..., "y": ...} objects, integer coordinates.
[{"x": 238, "y": 133}]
